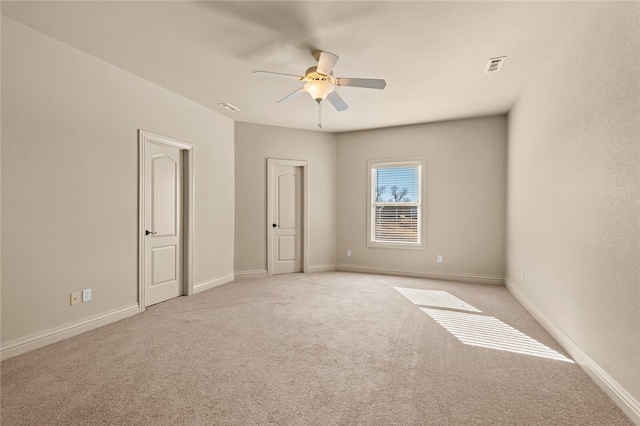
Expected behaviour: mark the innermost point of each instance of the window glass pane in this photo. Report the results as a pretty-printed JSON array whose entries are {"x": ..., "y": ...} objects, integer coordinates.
[
  {"x": 396, "y": 184},
  {"x": 395, "y": 203},
  {"x": 396, "y": 224}
]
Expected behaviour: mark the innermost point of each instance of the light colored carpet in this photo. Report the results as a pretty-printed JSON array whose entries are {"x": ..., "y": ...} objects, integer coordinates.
[{"x": 302, "y": 349}]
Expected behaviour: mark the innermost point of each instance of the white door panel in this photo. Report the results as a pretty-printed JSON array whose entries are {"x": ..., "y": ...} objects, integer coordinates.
[
  {"x": 287, "y": 217},
  {"x": 287, "y": 208},
  {"x": 287, "y": 248},
  {"x": 163, "y": 223},
  {"x": 164, "y": 216},
  {"x": 163, "y": 265}
]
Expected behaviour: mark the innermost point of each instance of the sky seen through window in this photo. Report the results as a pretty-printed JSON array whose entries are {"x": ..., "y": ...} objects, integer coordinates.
[{"x": 386, "y": 178}]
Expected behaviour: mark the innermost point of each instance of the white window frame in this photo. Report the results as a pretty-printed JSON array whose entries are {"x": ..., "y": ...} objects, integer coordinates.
[{"x": 372, "y": 165}]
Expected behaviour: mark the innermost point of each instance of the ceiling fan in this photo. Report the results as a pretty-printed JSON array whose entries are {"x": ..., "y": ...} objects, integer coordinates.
[{"x": 320, "y": 83}]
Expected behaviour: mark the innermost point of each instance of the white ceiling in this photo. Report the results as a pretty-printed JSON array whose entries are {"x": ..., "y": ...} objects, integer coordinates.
[{"x": 432, "y": 54}]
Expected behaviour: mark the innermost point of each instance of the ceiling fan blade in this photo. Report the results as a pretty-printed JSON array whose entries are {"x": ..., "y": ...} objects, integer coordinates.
[
  {"x": 278, "y": 75},
  {"x": 291, "y": 96},
  {"x": 337, "y": 102},
  {"x": 326, "y": 61},
  {"x": 368, "y": 83}
]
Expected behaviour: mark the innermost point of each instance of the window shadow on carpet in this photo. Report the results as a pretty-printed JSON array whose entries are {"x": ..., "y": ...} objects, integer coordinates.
[{"x": 471, "y": 327}]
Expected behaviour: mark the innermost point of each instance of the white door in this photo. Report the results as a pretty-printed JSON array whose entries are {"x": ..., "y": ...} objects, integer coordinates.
[
  {"x": 163, "y": 223},
  {"x": 286, "y": 247}
]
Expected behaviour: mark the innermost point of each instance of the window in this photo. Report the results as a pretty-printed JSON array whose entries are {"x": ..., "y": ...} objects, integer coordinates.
[{"x": 395, "y": 207}]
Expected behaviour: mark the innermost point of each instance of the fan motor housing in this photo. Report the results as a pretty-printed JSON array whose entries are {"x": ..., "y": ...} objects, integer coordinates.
[{"x": 313, "y": 75}]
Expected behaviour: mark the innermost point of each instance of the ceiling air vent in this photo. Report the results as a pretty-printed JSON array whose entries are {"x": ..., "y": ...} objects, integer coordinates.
[
  {"x": 228, "y": 106},
  {"x": 494, "y": 64}
]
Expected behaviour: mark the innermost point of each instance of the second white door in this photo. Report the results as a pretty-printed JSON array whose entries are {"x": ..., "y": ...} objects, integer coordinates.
[
  {"x": 163, "y": 223},
  {"x": 286, "y": 241}
]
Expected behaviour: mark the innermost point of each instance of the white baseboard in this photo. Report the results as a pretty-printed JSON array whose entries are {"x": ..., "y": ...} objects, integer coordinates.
[
  {"x": 322, "y": 268},
  {"x": 247, "y": 275},
  {"x": 200, "y": 287},
  {"x": 262, "y": 273},
  {"x": 609, "y": 385},
  {"x": 40, "y": 340},
  {"x": 481, "y": 279}
]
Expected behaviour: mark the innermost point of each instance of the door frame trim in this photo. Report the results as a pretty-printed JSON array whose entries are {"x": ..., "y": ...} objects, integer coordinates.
[
  {"x": 188, "y": 211},
  {"x": 271, "y": 163}
]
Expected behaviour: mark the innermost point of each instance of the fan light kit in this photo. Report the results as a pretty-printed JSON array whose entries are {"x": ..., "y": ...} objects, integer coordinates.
[{"x": 321, "y": 84}]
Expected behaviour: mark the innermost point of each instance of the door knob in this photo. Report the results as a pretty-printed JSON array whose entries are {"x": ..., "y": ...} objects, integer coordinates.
[
  {"x": 274, "y": 225},
  {"x": 149, "y": 232}
]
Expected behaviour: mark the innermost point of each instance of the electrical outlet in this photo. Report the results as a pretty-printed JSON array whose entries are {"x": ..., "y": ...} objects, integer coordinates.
[
  {"x": 439, "y": 259},
  {"x": 521, "y": 276},
  {"x": 86, "y": 295},
  {"x": 74, "y": 298},
  {"x": 348, "y": 252}
]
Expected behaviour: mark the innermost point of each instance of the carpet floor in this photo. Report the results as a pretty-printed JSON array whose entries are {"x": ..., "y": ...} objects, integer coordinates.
[{"x": 311, "y": 349}]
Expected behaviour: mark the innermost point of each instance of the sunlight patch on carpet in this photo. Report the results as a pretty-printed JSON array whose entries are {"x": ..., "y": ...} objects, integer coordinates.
[
  {"x": 490, "y": 332},
  {"x": 436, "y": 298}
]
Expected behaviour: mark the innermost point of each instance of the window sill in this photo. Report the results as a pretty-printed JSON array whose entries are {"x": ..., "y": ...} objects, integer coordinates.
[{"x": 401, "y": 246}]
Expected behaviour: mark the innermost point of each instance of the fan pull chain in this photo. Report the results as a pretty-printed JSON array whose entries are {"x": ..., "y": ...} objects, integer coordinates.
[{"x": 319, "y": 115}]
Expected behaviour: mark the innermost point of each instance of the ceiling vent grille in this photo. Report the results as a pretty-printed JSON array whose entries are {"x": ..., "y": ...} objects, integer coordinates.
[
  {"x": 494, "y": 64},
  {"x": 228, "y": 106}
]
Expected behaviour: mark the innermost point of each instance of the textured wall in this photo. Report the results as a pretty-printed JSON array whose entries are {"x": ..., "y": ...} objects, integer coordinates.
[
  {"x": 70, "y": 182},
  {"x": 574, "y": 190},
  {"x": 255, "y": 143},
  {"x": 465, "y": 198}
]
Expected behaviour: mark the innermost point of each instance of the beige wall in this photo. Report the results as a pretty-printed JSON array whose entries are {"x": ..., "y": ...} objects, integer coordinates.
[
  {"x": 0, "y": 187},
  {"x": 574, "y": 194},
  {"x": 255, "y": 143},
  {"x": 70, "y": 183},
  {"x": 465, "y": 204}
]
